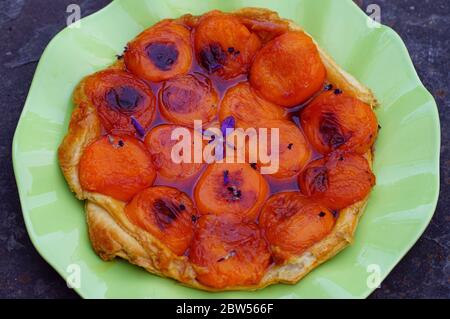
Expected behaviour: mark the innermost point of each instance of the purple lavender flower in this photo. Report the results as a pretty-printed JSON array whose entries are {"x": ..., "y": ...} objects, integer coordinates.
[
  {"x": 226, "y": 177},
  {"x": 228, "y": 122},
  {"x": 139, "y": 129}
]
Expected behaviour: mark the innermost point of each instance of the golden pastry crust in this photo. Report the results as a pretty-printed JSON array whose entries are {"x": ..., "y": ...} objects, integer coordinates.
[{"x": 113, "y": 235}]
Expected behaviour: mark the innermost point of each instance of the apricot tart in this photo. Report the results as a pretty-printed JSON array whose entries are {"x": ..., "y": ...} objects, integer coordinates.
[{"x": 221, "y": 225}]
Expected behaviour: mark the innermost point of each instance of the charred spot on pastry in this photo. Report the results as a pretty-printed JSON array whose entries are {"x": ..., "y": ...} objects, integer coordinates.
[
  {"x": 319, "y": 181},
  {"x": 322, "y": 214},
  {"x": 328, "y": 87},
  {"x": 338, "y": 91},
  {"x": 330, "y": 131},
  {"x": 166, "y": 212},
  {"x": 125, "y": 98},
  {"x": 213, "y": 57},
  {"x": 163, "y": 55},
  {"x": 290, "y": 146}
]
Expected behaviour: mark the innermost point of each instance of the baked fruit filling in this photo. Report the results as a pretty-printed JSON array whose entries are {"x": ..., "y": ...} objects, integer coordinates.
[
  {"x": 119, "y": 96},
  {"x": 335, "y": 120},
  {"x": 231, "y": 189},
  {"x": 219, "y": 224},
  {"x": 247, "y": 108},
  {"x": 117, "y": 166},
  {"x": 160, "y": 145},
  {"x": 224, "y": 45},
  {"x": 166, "y": 213},
  {"x": 160, "y": 52},
  {"x": 228, "y": 253},
  {"x": 338, "y": 180},
  {"x": 292, "y": 223},
  {"x": 187, "y": 98},
  {"x": 288, "y": 70}
]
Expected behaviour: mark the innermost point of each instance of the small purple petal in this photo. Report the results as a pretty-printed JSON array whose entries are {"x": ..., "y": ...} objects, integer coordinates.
[
  {"x": 228, "y": 122},
  {"x": 226, "y": 178},
  {"x": 139, "y": 129}
]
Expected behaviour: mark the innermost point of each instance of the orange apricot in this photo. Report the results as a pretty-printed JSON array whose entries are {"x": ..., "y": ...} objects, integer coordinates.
[
  {"x": 288, "y": 70},
  {"x": 292, "y": 223},
  {"x": 166, "y": 213},
  {"x": 293, "y": 149},
  {"x": 338, "y": 180},
  {"x": 159, "y": 145},
  {"x": 247, "y": 108},
  {"x": 117, "y": 166},
  {"x": 160, "y": 52},
  {"x": 231, "y": 189},
  {"x": 228, "y": 254},
  {"x": 119, "y": 96},
  {"x": 336, "y": 120},
  {"x": 224, "y": 46},
  {"x": 186, "y": 98}
]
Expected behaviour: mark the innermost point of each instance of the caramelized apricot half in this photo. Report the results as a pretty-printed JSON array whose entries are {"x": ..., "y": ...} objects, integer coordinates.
[
  {"x": 119, "y": 96},
  {"x": 288, "y": 70},
  {"x": 336, "y": 120},
  {"x": 160, "y": 52},
  {"x": 292, "y": 223},
  {"x": 186, "y": 98},
  {"x": 227, "y": 253},
  {"x": 166, "y": 213},
  {"x": 338, "y": 180},
  {"x": 293, "y": 149},
  {"x": 224, "y": 46},
  {"x": 160, "y": 145},
  {"x": 231, "y": 189},
  {"x": 247, "y": 108},
  {"x": 117, "y": 166}
]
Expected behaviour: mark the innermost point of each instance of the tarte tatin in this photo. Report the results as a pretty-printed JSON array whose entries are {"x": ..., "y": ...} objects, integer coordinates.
[{"x": 221, "y": 226}]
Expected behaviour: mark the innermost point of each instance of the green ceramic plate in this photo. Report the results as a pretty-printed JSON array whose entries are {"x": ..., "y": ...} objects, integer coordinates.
[{"x": 406, "y": 165}]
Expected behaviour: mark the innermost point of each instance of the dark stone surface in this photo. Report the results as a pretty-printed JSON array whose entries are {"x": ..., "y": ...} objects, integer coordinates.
[
  {"x": 27, "y": 26},
  {"x": 425, "y": 28}
]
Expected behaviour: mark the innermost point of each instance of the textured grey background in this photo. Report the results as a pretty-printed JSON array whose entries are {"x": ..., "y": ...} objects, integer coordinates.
[{"x": 28, "y": 25}]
